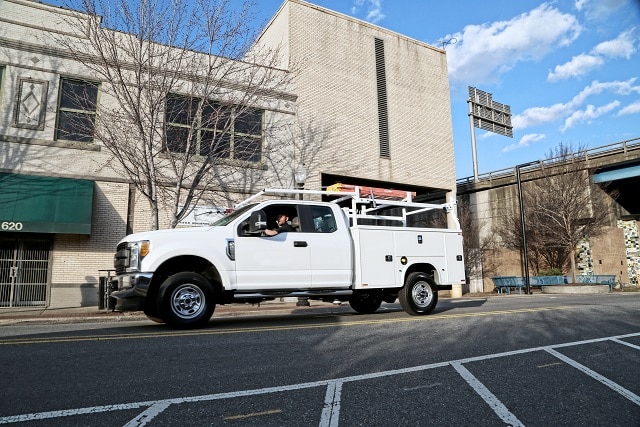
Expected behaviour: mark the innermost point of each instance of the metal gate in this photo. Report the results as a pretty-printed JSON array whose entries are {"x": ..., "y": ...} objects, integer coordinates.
[{"x": 24, "y": 271}]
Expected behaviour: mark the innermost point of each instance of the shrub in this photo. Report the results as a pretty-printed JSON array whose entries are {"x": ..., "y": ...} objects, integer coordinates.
[{"x": 550, "y": 272}]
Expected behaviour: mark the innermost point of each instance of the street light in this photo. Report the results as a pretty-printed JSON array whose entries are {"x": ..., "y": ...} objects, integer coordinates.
[
  {"x": 525, "y": 252},
  {"x": 300, "y": 176}
]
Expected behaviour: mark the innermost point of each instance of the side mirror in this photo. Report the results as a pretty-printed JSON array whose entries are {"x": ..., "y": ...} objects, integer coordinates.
[{"x": 257, "y": 222}]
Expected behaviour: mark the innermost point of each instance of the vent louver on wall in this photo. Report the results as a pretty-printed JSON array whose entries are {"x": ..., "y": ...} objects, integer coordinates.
[{"x": 381, "y": 81}]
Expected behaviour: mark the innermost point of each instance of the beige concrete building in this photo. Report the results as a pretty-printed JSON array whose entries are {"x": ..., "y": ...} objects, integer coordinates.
[
  {"x": 365, "y": 106},
  {"x": 377, "y": 99}
]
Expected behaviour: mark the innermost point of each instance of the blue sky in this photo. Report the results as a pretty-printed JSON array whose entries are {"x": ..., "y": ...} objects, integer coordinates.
[{"x": 569, "y": 69}]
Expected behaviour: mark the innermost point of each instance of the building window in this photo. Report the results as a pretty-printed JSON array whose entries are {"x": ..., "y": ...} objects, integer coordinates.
[
  {"x": 77, "y": 110},
  {"x": 31, "y": 104},
  {"x": 212, "y": 129}
]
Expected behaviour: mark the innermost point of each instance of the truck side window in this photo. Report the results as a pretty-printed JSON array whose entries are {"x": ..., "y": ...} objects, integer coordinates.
[{"x": 323, "y": 219}]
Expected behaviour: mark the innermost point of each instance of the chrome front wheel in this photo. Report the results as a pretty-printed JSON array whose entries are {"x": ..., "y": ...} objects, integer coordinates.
[{"x": 186, "y": 300}]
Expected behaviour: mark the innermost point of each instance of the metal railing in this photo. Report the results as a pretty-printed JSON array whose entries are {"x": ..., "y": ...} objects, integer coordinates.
[{"x": 621, "y": 147}]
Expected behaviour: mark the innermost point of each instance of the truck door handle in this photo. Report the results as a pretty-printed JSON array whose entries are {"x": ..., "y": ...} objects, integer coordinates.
[{"x": 299, "y": 244}]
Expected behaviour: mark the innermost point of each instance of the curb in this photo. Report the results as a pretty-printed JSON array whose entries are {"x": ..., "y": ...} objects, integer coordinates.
[{"x": 92, "y": 315}]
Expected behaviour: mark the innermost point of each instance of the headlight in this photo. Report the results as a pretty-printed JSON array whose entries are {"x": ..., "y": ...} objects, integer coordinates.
[{"x": 137, "y": 252}]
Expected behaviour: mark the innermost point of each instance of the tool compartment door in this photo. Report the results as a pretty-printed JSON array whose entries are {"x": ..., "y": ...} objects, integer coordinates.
[{"x": 374, "y": 257}]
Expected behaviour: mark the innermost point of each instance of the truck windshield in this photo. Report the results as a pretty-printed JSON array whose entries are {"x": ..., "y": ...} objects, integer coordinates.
[{"x": 233, "y": 215}]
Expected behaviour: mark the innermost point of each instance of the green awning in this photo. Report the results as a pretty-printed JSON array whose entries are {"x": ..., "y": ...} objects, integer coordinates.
[{"x": 37, "y": 204}]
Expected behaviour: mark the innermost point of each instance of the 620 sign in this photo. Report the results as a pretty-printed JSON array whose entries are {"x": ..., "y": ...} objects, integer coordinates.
[{"x": 10, "y": 226}]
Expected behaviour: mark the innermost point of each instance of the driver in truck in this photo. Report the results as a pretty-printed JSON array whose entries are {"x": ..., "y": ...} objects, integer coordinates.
[{"x": 282, "y": 226}]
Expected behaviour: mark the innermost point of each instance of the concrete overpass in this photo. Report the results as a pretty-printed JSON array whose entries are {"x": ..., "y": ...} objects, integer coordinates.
[{"x": 615, "y": 167}]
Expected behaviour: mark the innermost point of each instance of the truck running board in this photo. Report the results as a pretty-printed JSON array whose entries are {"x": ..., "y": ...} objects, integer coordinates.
[{"x": 310, "y": 294}]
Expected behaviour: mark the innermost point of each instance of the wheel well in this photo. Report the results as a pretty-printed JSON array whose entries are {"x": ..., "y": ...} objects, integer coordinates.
[
  {"x": 185, "y": 263},
  {"x": 422, "y": 268}
]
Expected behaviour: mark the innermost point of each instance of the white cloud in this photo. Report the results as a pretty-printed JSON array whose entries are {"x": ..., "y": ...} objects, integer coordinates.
[
  {"x": 579, "y": 4},
  {"x": 578, "y": 66},
  {"x": 617, "y": 87},
  {"x": 621, "y": 46},
  {"x": 601, "y": 9},
  {"x": 587, "y": 114},
  {"x": 484, "y": 52},
  {"x": 541, "y": 115},
  {"x": 525, "y": 141},
  {"x": 374, "y": 10},
  {"x": 630, "y": 109}
]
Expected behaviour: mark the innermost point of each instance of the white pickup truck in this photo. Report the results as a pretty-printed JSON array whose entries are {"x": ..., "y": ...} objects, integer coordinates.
[{"x": 356, "y": 249}]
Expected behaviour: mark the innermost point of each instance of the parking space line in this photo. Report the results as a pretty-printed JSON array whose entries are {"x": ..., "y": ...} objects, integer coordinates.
[
  {"x": 331, "y": 411},
  {"x": 596, "y": 376},
  {"x": 491, "y": 399},
  {"x": 149, "y": 414},
  {"x": 628, "y": 344}
]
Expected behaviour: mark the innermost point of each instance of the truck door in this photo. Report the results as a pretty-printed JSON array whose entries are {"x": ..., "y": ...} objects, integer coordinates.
[
  {"x": 330, "y": 247},
  {"x": 277, "y": 262}
]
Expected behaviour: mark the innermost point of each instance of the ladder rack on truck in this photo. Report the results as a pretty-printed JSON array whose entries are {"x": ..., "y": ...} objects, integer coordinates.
[{"x": 366, "y": 206}]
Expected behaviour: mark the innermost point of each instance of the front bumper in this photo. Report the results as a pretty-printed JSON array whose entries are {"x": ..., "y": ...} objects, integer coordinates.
[{"x": 132, "y": 290}]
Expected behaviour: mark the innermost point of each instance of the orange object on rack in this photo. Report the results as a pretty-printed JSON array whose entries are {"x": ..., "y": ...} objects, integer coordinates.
[{"x": 378, "y": 193}]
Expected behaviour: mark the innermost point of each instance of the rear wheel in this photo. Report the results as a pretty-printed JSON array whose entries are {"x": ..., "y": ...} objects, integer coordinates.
[
  {"x": 419, "y": 294},
  {"x": 186, "y": 300},
  {"x": 365, "y": 302}
]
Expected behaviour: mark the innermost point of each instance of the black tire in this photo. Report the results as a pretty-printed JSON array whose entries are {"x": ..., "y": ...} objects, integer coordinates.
[
  {"x": 151, "y": 311},
  {"x": 365, "y": 302},
  {"x": 419, "y": 294},
  {"x": 186, "y": 300}
]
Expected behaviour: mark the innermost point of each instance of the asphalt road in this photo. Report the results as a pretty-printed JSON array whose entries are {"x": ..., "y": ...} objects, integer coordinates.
[{"x": 534, "y": 360}]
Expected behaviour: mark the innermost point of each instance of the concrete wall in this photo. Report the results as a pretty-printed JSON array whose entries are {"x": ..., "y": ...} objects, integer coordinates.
[{"x": 604, "y": 254}]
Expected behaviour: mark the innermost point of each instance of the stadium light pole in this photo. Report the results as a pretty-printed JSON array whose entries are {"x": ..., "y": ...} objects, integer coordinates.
[{"x": 489, "y": 115}]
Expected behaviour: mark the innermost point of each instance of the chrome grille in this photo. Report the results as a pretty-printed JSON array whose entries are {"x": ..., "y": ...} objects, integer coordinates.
[{"x": 121, "y": 258}]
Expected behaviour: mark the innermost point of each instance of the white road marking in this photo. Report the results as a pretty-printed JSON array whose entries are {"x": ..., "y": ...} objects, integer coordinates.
[
  {"x": 486, "y": 395},
  {"x": 331, "y": 411},
  {"x": 159, "y": 405},
  {"x": 146, "y": 416},
  {"x": 593, "y": 374},
  {"x": 628, "y": 344}
]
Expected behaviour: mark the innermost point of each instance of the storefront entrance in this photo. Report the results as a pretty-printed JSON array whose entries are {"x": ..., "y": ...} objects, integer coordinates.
[{"x": 24, "y": 270}]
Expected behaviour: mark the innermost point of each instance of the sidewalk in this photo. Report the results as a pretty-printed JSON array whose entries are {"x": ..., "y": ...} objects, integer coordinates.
[{"x": 23, "y": 315}]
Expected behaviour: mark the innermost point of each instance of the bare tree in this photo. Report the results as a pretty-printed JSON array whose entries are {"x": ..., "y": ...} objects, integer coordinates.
[
  {"x": 307, "y": 139},
  {"x": 541, "y": 256},
  {"x": 561, "y": 207},
  {"x": 564, "y": 205},
  {"x": 182, "y": 99}
]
